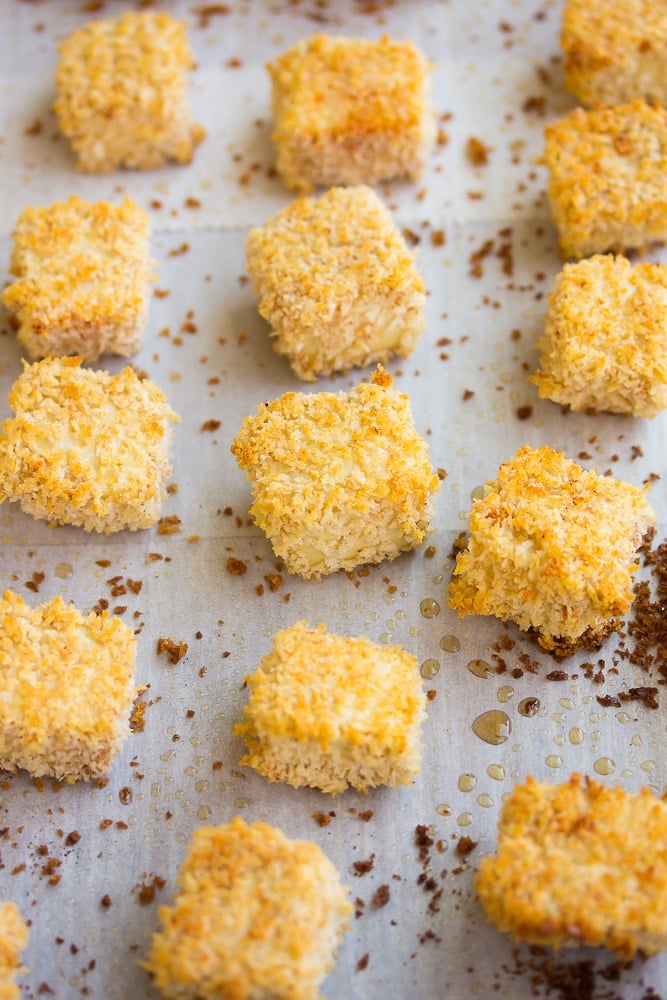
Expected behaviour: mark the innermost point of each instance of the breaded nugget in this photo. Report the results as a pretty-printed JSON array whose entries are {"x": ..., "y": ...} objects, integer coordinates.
[
  {"x": 579, "y": 864},
  {"x": 256, "y": 916},
  {"x": 86, "y": 448},
  {"x": 122, "y": 87},
  {"x": 332, "y": 712},
  {"x": 337, "y": 283},
  {"x": 66, "y": 688},
  {"x": 604, "y": 345},
  {"x": 551, "y": 546},
  {"x": 607, "y": 183},
  {"x": 351, "y": 111},
  {"x": 339, "y": 479},
  {"x": 13, "y": 939},
  {"x": 82, "y": 278},
  {"x": 615, "y": 50}
]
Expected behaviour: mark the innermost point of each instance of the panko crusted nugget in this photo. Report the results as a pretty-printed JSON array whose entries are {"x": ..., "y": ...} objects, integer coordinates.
[{"x": 13, "y": 939}]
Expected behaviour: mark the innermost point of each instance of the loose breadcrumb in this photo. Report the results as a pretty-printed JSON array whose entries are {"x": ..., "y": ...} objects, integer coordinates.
[
  {"x": 351, "y": 111},
  {"x": 340, "y": 479},
  {"x": 13, "y": 939},
  {"x": 579, "y": 864},
  {"x": 82, "y": 277},
  {"x": 122, "y": 86},
  {"x": 66, "y": 688},
  {"x": 332, "y": 712},
  {"x": 604, "y": 345},
  {"x": 337, "y": 283},
  {"x": 551, "y": 547},
  {"x": 256, "y": 917},
  {"x": 86, "y": 448}
]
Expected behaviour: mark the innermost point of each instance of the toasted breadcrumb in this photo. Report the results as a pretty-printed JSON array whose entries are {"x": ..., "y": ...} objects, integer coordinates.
[
  {"x": 340, "y": 479},
  {"x": 86, "y": 448},
  {"x": 604, "y": 345},
  {"x": 122, "y": 88},
  {"x": 607, "y": 182},
  {"x": 66, "y": 688},
  {"x": 332, "y": 712},
  {"x": 551, "y": 547},
  {"x": 13, "y": 939},
  {"x": 82, "y": 273},
  {"x": 256, "y": 917},
  {"x": 615, "y": 50},
  {"x": 336, "y": 282},
  {"x": 351, "y": 111},
  {"x": 579, "y": 864}
]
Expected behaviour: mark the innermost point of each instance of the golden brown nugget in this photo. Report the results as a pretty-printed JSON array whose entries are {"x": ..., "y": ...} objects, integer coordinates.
[
  {"x": 339, "y": 479},
  {"x": 66, "y": 688},
  {"x": 82, "y": 277},
  {"x": 579, "y": 864},
  {"x": 256, "y": 917},
  {"x": 607, "y": 183},
  {"x": 85, "y": 447},
  {"x": 13, "y": 939},
  {"x": 122, "y": 93},
  {"x": 604, "y": 345},
  {"x": 351, "y": 111},
  {"x": 551, "y": 547},
  {"x": 337, "y": 283},
  {"x": 333, "y": 712},
  {"x": 615, "y": 50}
]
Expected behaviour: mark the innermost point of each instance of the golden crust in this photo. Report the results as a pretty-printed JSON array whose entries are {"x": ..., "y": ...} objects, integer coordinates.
[
  {"x": 256, "y": 917},
  {"x": 331, "y": 712},
  {"x": 551, "y": 548},
  {"x": 13, "y": 939},
  {"x": 66, "y": 688},
  {"x": 607, "y": 183},
  {"x": 340, "y": 479},
  {"x": 83, "y": 274},
  {"x": 337, "y": 283},
  {"x": 350, "y": 111},
  {"x": 86, "y": 448},
  {"x": 122, "y": 92},
  {"x": 579, "y": 864}
]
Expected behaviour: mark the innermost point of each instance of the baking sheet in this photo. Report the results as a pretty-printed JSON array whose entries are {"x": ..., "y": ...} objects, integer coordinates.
[{"x": 118, "y": 846}]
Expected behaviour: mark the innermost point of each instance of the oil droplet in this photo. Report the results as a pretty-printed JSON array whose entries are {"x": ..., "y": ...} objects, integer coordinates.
[
  {"x": 467, "y": 782},
  {"x": 505, "y": 694},
  {"x": 576, "y": 736},
  {"x": 566, "y": 703},
  {"x": 492, "y": 727},
  {"x": 604, "y": 765},
  {"x": 437, "y": 579},
  {"x": 64, "y": 570},
  {"x": 559, "y": 740},
  {"x": 167, "y": 755},
  {"x": 241, "y": 803},
  {"x": 480, "y": 668},
  {"x": 636, "y": 740},
  {"x": 496, "y": 771},
  {"x": 190, "y": 771},
  {"x": 477, "y": 493},
  {"x": 156, "y": 790},
  {"x": 201, "y": 786},
  {"x": 429, "y": 669},
  {"x": 465, "y": 819},
  {"x": 558, "y": 717},
  {"x": 529, "y": 707},
  {"x": 553, "y": 760},
  {"x": 203, "y": 812},
  {"x": 623, "y": 717},
  {"x": 484, "y": 800},
  {"x": 648, "y": 766},
  {"x": 443, "y": 809},
  {"x": 415, "y": 632},
  {"x": 429, "y": 608},
  {"x": 450, "y": 644}
]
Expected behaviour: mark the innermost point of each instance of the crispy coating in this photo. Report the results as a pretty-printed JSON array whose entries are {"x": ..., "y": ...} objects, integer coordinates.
[
  {"x": 336, "y": 282},
  {"x": 579, "y": 864},
  {"x": 551, "y": 546},
  {"x": 13, "y": 939},
  {"x": 256, "y": 917}
]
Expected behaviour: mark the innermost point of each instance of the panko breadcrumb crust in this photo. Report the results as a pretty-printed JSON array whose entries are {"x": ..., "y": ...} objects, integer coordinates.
[
  {"x": 122, "y": 89},
  {"x": 351, "y": 111},
  {"x": 333, "y": 712},
  {"x": 339, "y": 479},
  {"x": 604, "y": 345},
  {"x": 86, "y": 448},
  {"x": 66, "y": 688},
  {"x": 551, "y": 547},
  {"x": 82, "y": 277},
  {"x": 13, "y": 939},
  {"x": 256, "y": 917},
  {"x": 607, "y": 183},
  {"x": 337, "y": 282},
  {"x": 579, "y": 864},
  {"x": 615, "y": 50}
]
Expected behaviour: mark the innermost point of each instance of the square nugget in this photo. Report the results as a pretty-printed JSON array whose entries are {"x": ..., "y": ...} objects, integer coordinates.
[
  {"x": 85, "y": 447},
  {"x": 66, "y": 688},
  {"x": 333, "y": 712},
  {"x": 82, "y": 278},
  {"x": 340, "y": 479},
  {"x": 13, "y": 939},
  {"x": 615, "y": 50},
  {"x": 551, "y": 547},
  {"x": 604, "y": 345},
  {"x": 256, "y": 915},
  {"x": 579, "y": 864},
  {"x": 337, "y": 283},
  {"x": 122, "y": 87},
  {"x": 607, "y": 183},
  {"x": 351, "y": 111}
]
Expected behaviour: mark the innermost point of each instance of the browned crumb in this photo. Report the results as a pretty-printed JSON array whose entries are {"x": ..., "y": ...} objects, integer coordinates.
[{"x": 174, "y": 650}]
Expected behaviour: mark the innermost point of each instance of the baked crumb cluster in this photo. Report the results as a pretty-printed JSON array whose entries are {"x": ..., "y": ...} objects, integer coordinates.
[{"x": 13, "y": 939}]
